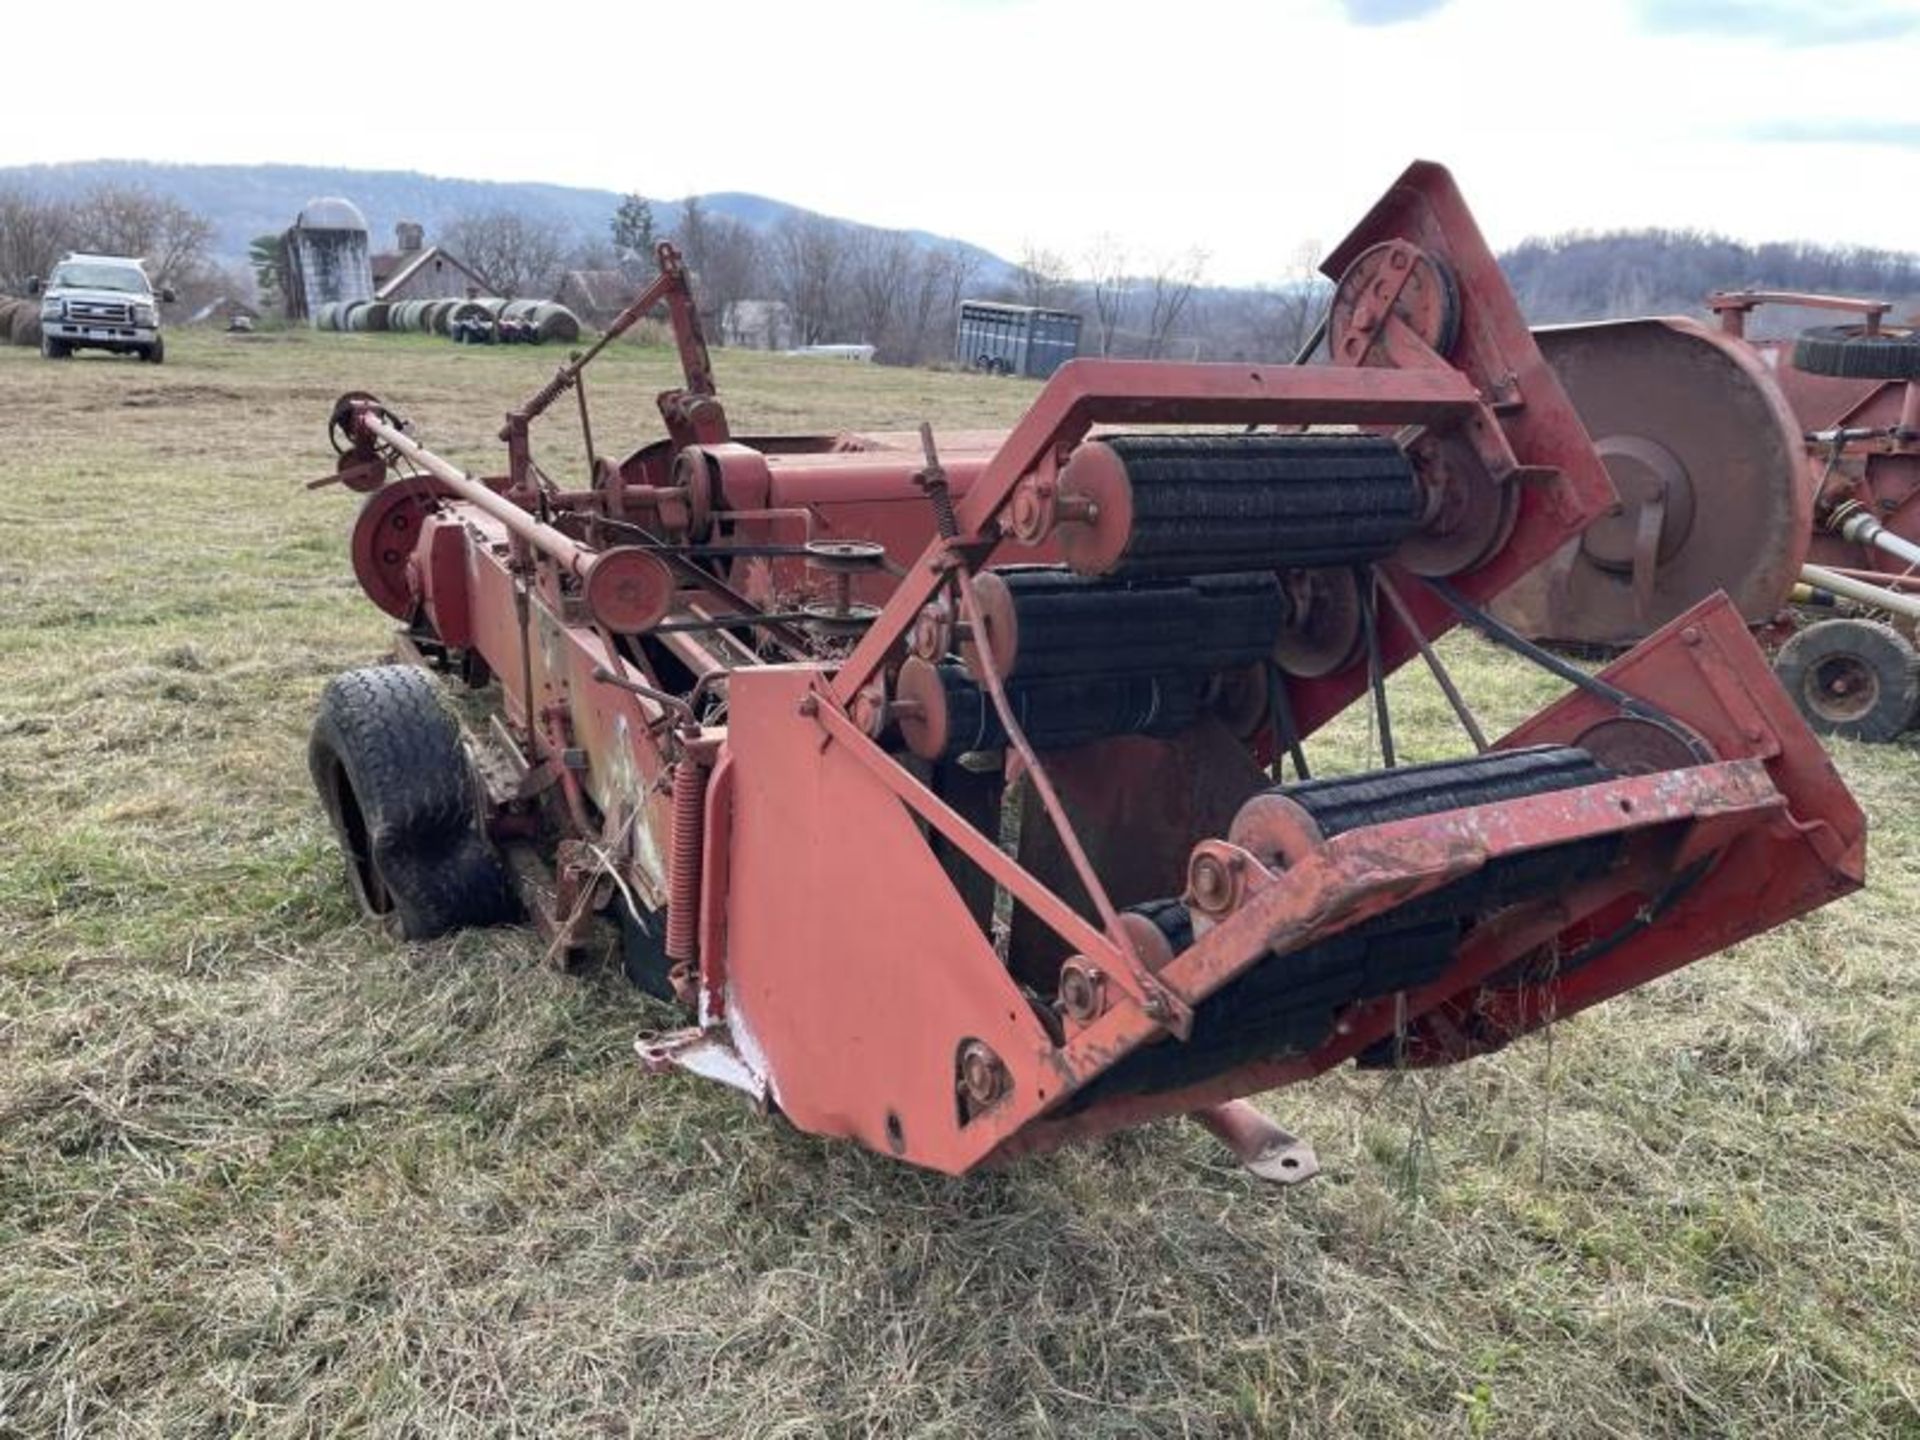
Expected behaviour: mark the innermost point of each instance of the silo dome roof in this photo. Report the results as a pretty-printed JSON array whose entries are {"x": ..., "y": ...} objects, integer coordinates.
[{"x": 330, "y": 212}]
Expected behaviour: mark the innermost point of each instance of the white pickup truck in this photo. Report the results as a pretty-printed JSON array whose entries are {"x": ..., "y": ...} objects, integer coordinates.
[{"x": 100, "y": 302}]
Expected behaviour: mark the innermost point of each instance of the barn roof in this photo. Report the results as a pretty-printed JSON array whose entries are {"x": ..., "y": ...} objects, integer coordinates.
[{"x": 414, "y": 261}]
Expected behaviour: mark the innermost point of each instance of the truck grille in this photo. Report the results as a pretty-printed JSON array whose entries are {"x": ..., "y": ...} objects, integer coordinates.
[{"x": 100, "y": 312}]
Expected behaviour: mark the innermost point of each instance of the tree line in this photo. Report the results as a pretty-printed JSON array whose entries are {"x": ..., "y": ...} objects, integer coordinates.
[
  {"x": 833, "y": 281},
  {"x": 37, "y": 230},
  {"x": 1591, "y": 276}
]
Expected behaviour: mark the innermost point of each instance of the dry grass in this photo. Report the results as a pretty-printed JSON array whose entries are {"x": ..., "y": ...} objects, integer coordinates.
[{"x": 264, "y": 1173}]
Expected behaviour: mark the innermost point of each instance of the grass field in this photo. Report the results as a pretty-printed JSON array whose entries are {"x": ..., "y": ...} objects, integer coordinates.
[{"x": 264, "y": 1172}]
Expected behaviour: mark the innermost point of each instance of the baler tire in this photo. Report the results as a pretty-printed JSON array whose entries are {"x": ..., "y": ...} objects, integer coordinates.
[
  {"x": 1855, "y": 679},
  {"x": 1848, "y": 352},
  {"x": 395, "y": 782}
]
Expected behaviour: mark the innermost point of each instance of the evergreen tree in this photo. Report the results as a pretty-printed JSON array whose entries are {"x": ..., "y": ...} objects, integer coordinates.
[{"x": 633, "y": 227}]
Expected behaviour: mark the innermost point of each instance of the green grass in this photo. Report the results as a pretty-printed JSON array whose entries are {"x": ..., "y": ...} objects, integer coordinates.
[{"x": 263, "y": 1172}]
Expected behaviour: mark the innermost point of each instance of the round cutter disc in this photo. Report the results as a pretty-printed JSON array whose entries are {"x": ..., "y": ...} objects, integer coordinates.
[{"x": 1686, "y": 413}]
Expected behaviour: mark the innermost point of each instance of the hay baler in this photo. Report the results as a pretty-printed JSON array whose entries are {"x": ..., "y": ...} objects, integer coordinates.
[
  {"x": 956, "y": 786},
  {"x": 1751, "y": 467}
]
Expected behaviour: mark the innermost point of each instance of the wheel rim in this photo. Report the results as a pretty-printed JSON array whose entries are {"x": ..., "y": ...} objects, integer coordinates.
[
  {"x": 1841, "y": 689},
  {"x": 369, "y": 885}
]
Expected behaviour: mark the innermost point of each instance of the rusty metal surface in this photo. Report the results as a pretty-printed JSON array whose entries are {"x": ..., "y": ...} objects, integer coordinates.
[{"x": 1708, "y": 464}]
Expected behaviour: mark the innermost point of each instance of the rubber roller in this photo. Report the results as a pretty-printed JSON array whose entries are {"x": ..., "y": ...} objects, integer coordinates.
[
  {"x": 1048, "y": 623},
  {"x": 943, "y": 714},
  {"x": 1135, "y": 505},
  {"x": 1289, "y": 1003},
  {"x": 1283, "y": 825}
]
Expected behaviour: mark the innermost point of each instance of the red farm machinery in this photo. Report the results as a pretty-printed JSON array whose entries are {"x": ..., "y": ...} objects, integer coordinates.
[
  {"x": 1770, "y": 469},
  {"x": 956, "y": 788}
]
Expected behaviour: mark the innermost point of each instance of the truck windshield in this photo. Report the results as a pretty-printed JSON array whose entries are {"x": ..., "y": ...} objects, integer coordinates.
[{"x": 80, "y": 276}]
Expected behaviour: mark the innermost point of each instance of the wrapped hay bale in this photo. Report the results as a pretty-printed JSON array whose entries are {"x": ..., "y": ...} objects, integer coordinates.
[
  {"x": 25, "y": 326},
  {"x": 556, "y": 322}
]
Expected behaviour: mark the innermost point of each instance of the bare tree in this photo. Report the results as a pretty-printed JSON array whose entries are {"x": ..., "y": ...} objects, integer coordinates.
[
  {"x": 1042, "y": 278},
  {"x": 1169, "y": 291},
  {"x": 516, "y": 253},
  {"x": 34, "y": 230},
  {"x": 729, "y": 268},
  {"x": 809, "y": 264},
  {"x": 882, "y": 263},
  {"x": 1111, "y": 288},
  {"x": 130, "y": 220}
]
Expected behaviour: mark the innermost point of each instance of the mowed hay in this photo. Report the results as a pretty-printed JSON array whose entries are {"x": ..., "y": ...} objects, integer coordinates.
[{"x": 264, "y": 1172}]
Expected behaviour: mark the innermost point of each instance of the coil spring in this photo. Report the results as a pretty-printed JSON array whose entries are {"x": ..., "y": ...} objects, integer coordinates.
[{"x": 683, "y": 889}]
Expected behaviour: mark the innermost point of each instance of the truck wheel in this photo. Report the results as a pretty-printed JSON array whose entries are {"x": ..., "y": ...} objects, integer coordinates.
[
  {"x": 155, "y": 352},
  {"x": 1849, "y": 352},
  {"x": 1857, "y": 679},
  {"x": 51, "y": 349},
  {"x": 391, "y": 772}
]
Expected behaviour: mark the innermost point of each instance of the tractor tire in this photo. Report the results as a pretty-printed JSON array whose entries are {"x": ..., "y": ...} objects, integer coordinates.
[
  {"x": 394, "y": 778},
  {"x": 1850, "y": 353},
  {"x": 1856, "y": 679}
]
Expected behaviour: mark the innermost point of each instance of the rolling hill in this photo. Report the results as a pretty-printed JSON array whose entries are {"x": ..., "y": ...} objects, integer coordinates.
[{"x": 243, "y": 201}]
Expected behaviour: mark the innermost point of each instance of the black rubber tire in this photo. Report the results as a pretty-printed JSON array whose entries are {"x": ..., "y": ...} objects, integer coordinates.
[
  {"x": 51, "y": 349},
  {"x": 1848, "y": 352},
  {"x": 394, "y": 779},
  {"x": 155, "y": 353},
  {"x": 1879, "y": 662}
]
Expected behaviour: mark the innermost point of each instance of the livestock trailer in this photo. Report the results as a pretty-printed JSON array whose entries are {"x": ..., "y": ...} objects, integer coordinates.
[{"x": 1015, "y": 339}]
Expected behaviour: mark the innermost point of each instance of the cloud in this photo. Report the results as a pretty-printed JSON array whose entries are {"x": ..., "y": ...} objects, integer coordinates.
[
  {"x": 1388, "y": 12},
  {"x": 1904, "y": 133},
  {"x": 1784, "y": 22}
]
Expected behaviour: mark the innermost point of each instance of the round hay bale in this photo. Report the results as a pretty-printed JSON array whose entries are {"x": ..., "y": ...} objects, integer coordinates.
[
  {"x": 556, "y": 323},
  {"x": 379, "y": 312},
  {"x": 493, "y": 305},
  {"x": 8, "y": 306},
  {"x": 465, "y": 310},
  {"x": 520, "y": 309},
  {"x": 353, "y": 315},
  {"x": 25, "y": 326}
]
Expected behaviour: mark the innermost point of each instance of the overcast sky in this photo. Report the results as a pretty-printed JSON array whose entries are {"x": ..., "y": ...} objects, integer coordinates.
[{"x": 1247, "y": 129}]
